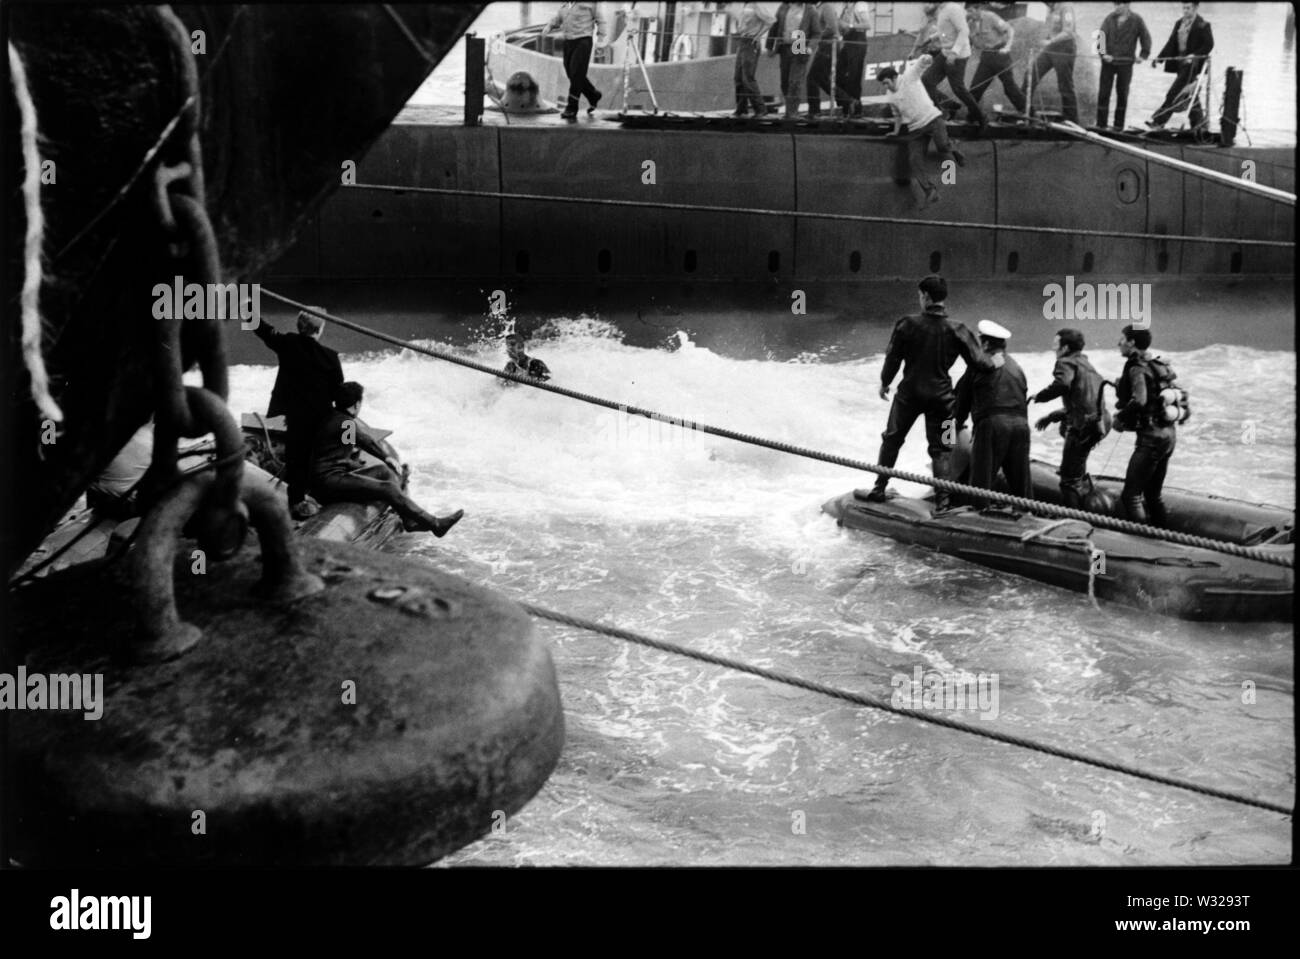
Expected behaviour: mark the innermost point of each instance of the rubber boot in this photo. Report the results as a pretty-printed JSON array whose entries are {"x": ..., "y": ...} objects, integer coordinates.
[
  {"x": 1134, "y": 509},
  {"x": 940, "y": 467},
  {"x": 1156, "y": 514}
]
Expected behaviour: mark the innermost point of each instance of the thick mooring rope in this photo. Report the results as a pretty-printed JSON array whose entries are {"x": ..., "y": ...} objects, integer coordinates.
[
  {"x": 817, "y": 215},
  {"x": 1026, "y": 505},
  {"x": 861, "y": 699},
  {"x": 33, "y": 272}
]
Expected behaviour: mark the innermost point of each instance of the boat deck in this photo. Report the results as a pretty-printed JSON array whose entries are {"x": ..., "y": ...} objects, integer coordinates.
[{"x": 1002, "y": 127}]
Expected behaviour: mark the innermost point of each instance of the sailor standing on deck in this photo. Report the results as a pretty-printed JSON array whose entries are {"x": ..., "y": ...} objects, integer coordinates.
[
  {"x": 992, "y": 37},
  {"x": 1121, "y": 33},
  {"x": 950, "y": 62},
  {"x": 752, "y": 21},
  {"x": 793, "y": 37},
  {"x": 1084, "y": 420},
  {"x": 819, "y": 71},
  {"x": 1184, "y": 54},
  {"x": 1059, "y": 50},
  {"x": 997, "y": 401},
  {"x": 304, "y": 388},
  {"x": 855, "y": 27},
  {"x": 926, "y": 346},
  {"x": 578, "y": 21}
]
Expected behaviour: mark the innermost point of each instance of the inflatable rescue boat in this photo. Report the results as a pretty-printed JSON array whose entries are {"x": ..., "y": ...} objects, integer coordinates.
[{"x": 1133, "y": 570}]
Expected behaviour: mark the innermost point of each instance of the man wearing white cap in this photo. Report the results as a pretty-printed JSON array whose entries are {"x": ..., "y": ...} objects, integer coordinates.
[{"x": 997, "y": 401}]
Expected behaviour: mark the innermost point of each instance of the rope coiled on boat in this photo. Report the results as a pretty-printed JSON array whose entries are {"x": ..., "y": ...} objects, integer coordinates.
[
  {"x": 862, "y": 699},
  {"x": 1026, "y": 505}
]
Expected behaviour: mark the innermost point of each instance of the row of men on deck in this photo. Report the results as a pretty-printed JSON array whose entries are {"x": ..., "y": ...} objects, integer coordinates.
[
  {"x": 816, "y": 40},
  {"x": 993, "y": 394},
  {"x": 952, "y": 32}
]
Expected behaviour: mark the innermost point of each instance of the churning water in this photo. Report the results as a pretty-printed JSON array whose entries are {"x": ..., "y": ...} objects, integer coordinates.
[{"x": 723, "y": 547}]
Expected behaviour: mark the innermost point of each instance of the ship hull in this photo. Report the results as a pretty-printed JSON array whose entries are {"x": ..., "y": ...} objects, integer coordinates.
[{"x": 1081, "y": 192}]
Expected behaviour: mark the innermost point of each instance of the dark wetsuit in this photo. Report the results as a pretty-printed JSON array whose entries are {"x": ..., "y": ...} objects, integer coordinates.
[
  {"x": 1138, "y": 393},
  {"x": 304, "y": 388},
  {"x": 926, "y": 346},
  {"x": 528, "y": 366},
  {"x": 997, "y": 402},
  {"x": 1075, "y": 379},
  {"x": 337, "y": 473}
]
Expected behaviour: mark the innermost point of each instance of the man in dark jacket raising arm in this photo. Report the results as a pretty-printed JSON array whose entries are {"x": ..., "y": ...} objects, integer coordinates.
[
  {"x": 304, "y": 388},
  {"x": 926, "y": 346}
]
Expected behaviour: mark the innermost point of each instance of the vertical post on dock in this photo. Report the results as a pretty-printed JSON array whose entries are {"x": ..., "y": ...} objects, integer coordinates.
[
  {"x": 525, "y": 14},
  {"x": 474, "y": 63},
  {"x": 1231, "y": 107}
]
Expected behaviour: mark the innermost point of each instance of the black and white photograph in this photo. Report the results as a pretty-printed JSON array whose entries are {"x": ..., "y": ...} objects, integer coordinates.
[{"x": 731, "y": 436}]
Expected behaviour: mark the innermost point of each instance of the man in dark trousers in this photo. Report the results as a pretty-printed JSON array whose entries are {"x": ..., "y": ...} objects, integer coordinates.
[
  {"x": 926, "y": 346},
  {"x": 1122, "y": 33},
  {"x": 1138, "y": 400},
  {"x": 1184, "y": 54},
  {"x": 577, "y": 22},
  {"x": 338, "y": 476},
  {"x": 304, "y": 388},
  {"x": 819, "y": 69},
  {"x": 997, "y": 401},
  {"x": 794, "y": 37},
  {"x": 1084, "y": 419},
  {"x": 1059, "y": 48}
]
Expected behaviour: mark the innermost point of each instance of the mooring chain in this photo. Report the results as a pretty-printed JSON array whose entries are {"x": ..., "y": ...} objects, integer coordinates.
[
  {"x": 871, "y": 702},
  {"x": 216, "y": 502},
  {"x": 1026, "y": 505}
]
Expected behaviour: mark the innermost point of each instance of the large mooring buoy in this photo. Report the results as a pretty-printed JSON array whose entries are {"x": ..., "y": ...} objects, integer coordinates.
[{"x": 392, "y": 718}]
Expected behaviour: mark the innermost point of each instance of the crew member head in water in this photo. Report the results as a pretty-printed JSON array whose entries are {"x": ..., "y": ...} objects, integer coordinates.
[{"x": 520, "y": 363}]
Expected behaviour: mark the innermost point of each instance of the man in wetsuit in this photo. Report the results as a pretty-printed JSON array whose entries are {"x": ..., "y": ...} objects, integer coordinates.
[
  {"x": 308, "y": 376},
  {"x": 1138, "y": 400},
  {"x": 338, "y": 476},
  {"x": 521, "y": 364},
  {"x": 926, "y": 346},
  {"x": 997, "y": 402},
  {"x": 1082, "y": 417}
]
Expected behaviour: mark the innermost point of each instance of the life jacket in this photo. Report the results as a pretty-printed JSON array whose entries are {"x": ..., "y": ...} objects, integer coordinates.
[
  {"x": 1104, "y": 421},
  {"x": 1170, "y": 405}
]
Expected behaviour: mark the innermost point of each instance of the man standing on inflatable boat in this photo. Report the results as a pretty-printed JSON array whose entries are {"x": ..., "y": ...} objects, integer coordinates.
[
  {"x": 926, "y": 346},
  {"x": 1142, "y": 409},
  {"x": 997, "y": 402}
]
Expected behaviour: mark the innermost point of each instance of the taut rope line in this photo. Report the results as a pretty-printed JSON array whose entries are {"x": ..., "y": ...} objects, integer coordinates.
[
  {"x": 815, "y": 215},
  {"x": 1027, "y": 505},
  {"x": 861, "y": 699}
]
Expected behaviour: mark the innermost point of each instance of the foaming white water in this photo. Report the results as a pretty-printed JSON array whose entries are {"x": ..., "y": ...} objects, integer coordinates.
[
  {"x": 517, "y": 451},
  {"x": 722, "y": 547}
]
